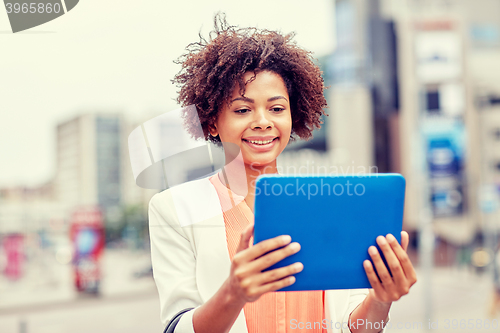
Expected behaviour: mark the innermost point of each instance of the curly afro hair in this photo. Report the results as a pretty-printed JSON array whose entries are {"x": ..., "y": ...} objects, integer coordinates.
[{"x": 210, "y": 71}]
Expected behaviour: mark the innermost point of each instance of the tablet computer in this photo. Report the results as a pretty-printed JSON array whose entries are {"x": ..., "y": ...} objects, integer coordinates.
[{"x": 335, "y": 219}]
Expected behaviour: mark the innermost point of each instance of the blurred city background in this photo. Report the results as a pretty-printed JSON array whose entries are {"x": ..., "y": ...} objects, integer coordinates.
[{"x": 414, "y": 88}]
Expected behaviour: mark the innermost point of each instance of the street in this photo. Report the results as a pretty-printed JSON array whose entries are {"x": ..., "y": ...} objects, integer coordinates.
[{"x": 137, "y": 313}]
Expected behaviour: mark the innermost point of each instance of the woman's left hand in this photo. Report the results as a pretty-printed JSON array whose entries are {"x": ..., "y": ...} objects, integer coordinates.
[{"x": 389, "y": 289}]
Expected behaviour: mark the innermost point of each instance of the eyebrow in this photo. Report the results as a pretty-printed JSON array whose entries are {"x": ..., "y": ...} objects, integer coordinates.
[{"x": 249, "y": 100}]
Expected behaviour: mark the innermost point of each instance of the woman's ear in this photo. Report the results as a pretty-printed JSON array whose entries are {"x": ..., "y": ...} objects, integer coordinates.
[{"x": 212, "y": 129}]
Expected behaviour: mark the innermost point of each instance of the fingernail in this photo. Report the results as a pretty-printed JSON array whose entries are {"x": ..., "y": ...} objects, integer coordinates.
[
  {"x": 390, "y": 237},
  {"x": 372, "y": 250},
  {"x": 381, "y": 240},
  {"x": 295, "y": 246},
  {"x": 298, "y": 267},
  {"x": 286, "y": 239}
]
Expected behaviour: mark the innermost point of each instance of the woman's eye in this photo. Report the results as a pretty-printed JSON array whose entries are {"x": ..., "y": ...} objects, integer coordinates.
[
  {"x": 242, "y": 111},
  {"x": 278, "y": 109}
]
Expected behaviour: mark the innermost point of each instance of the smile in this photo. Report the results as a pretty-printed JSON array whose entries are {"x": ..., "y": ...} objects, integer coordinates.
[
  {"x": 261, "y": 142},
  {"x": 261, "y": 145}
]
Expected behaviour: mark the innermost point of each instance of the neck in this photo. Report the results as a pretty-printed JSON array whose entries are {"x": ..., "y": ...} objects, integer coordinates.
[
  {"x": 240, "y": 177},
  {"x": 253, "y": 171}
]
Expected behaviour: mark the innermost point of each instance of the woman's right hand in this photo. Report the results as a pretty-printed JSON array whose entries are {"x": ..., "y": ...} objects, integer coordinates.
[{"x": 246, "y": 281}]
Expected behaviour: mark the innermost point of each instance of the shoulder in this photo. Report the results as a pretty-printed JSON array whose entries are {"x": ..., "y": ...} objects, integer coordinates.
[
  {"x": 182, "y": 192},
  {"x": 188, "y": 203}
]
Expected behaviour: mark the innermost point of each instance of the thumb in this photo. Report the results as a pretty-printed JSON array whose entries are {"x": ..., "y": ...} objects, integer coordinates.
[{"x": 245, "y": 238}]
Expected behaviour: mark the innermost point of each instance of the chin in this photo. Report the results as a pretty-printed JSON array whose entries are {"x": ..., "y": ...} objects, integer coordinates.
[{"x": 259, "y": 164}]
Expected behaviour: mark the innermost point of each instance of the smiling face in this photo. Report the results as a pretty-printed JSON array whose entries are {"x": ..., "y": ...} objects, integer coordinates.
[{"x": 259, "y": 123}]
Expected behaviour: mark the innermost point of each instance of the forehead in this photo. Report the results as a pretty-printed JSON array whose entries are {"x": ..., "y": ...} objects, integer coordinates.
[{"x": 265, "y": 82}]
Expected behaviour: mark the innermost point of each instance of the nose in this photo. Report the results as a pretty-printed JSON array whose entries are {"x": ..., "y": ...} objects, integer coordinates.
[{"x": 262, "y": 120}]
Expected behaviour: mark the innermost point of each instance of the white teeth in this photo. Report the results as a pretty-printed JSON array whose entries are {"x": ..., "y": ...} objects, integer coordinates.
[{"x": 261, "y": 142}]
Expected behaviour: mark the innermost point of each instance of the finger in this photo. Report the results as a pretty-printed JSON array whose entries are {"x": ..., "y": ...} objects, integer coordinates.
[
  {"x": 373, "y": 278},
  {"x": 245, "y": 238},
  {"x": 273, "y": 286},
  {"x": 273, "y": 257},
  {"x": 268, "y": 245},
  {"x": 405, "y": 240},
  {"x": 403, "y": 258},
  {"x": 278, "y": 273},
  {"x": 392, "y": 260},
  {"x": 380, "y": 268}
]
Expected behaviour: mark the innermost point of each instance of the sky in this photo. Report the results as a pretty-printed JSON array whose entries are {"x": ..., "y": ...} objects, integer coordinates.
[{"x": 116, "y": 56}]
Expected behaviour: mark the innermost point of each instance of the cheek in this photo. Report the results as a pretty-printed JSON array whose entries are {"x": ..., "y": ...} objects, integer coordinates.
[
  {"x": 232, "y": 133},
  {"x": 286, "y": 126},
  {"x": 286, "y": 131}
]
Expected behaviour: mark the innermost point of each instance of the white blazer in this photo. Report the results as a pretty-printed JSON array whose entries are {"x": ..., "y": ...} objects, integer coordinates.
[{"x": 191, "y": 261}]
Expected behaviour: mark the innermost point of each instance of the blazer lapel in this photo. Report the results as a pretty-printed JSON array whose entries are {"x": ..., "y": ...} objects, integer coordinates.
[{"x": 212, "y": 257}]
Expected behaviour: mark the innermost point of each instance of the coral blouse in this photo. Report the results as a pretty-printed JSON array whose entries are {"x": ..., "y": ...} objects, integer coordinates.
[{"x": 280, "y": 312}]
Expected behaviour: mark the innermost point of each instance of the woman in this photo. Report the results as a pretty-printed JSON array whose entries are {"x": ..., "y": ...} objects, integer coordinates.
[{"x": 253, "y": 90}]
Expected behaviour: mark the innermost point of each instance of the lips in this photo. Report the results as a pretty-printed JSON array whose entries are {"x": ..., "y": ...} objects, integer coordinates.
[
  {"x": 261, "y": 143},
  {"x": 260, "y": 139}
]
